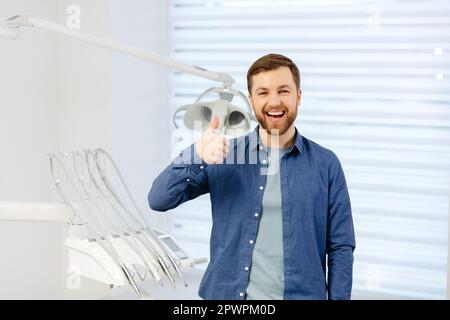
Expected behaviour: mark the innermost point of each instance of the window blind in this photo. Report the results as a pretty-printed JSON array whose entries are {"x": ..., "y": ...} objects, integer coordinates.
[{"x": 375, "y": 82}]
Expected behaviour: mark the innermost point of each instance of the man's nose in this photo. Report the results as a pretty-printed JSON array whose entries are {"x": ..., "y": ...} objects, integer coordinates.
[{"x": 274, "y": 100}]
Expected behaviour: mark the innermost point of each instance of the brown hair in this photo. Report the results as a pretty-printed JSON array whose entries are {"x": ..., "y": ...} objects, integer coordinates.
[{"x": 272, "y": 61}]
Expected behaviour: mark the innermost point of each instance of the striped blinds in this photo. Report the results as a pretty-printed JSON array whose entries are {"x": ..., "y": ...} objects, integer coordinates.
[{"x": 376, "y": 90}]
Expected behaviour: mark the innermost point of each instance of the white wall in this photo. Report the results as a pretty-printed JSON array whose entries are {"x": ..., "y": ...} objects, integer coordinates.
[
  {"x": 84, "y": 79},
  {"x": 59, "y": 94},
  {"x": 28, "y": 131},
  {"x": 140, "y": 111},
  {"x": 28, "y": 82},
  {"x": 56, "y": 96}
]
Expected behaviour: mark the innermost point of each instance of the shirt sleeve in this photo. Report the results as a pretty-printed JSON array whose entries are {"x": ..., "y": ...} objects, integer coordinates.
[
  {"x": 340, "y": 238},
  {"x": 184, "y": 179}
]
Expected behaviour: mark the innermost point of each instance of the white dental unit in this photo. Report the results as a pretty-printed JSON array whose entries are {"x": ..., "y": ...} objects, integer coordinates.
[{"x": 109, "y": 239}]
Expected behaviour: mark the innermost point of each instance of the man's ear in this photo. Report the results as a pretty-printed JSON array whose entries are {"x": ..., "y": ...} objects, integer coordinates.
[
  {"x": 299, "y": 97},
  {"x": 250, "y": 99}
]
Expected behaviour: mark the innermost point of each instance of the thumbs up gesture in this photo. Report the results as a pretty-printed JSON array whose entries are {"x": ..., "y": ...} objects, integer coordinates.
[{"x": 211, "y": 147}]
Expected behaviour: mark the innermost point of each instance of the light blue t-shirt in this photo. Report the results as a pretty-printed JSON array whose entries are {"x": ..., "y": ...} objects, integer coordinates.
[{"x": 267, "y": 272}]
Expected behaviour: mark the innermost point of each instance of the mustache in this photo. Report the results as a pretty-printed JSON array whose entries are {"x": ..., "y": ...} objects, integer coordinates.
[{"x": 281, "y": 107}]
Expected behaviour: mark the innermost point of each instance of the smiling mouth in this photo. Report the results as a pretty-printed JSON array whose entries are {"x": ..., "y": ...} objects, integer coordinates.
[{"x": 275, "y": 114}]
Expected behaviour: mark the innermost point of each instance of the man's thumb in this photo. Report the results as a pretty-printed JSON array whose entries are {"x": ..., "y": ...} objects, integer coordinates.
[{"x": 214, "y": 123}]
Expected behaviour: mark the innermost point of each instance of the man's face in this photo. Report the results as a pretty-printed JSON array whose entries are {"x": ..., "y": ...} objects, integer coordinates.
[{"x": 275, "y": 99}]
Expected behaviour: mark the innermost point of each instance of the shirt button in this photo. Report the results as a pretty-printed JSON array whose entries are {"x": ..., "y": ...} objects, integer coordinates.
[
  {"x": 261, "y": 147},
  {"x": 202, "y": 167},
  {"x": 251, "y": 241},
  {"x": 261, "y": 187},
  {"x": 256, "y": 215},
  {"x": 188, "y": 179},
  {"x": 241, "y": 294},
  {"x": 246, "y": 268},
  {"x": 264, "y": 161}
]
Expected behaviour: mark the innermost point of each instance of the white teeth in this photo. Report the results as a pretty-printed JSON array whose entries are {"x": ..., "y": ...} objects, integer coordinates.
[{"x": 275, "y": 113}]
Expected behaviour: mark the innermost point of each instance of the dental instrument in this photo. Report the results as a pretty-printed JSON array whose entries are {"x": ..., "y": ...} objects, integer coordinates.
[
  {"x": 127, "y": 235},
  {"x": 92, "y": 167},
  {"x": 138, "y": 218},
  {"x": 88, "y": 232}
]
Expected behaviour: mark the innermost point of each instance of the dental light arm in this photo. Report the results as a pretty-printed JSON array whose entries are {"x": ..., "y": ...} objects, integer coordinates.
[
  {"x": 24, "y": 21},
  {"x": 233, "y": 121}
]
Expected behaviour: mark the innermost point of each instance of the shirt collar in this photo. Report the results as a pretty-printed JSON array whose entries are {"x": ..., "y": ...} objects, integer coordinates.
[{"x": 298, "y": 144}]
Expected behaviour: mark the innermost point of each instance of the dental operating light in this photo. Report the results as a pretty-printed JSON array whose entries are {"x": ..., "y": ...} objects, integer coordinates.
[{"x": 233, "y": 121}]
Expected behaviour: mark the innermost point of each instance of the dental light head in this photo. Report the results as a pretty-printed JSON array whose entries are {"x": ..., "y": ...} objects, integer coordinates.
[
  {"x": 233, "y": 121},
  {"x": 230, "y": 116}
]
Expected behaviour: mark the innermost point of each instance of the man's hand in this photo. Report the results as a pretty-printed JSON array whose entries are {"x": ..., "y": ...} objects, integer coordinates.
[{"x": 211, "y": 147}]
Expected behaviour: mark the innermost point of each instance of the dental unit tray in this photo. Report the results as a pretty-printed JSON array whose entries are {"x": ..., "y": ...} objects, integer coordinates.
[
  {"x": 91, "y": 261},
  {"x": 110, "y": 240}
]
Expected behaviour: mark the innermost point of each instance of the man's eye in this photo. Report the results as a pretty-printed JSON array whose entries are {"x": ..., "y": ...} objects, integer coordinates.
[
  {"x": 284, "y": 91},
  {"x": 262, "y": 93}
]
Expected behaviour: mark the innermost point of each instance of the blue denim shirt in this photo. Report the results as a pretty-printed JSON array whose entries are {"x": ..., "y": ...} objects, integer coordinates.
[{"x": 316, "y": 212}]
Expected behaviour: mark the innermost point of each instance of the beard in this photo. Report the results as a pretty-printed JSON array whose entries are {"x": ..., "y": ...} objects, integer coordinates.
[{"x": 280, "y": 127}]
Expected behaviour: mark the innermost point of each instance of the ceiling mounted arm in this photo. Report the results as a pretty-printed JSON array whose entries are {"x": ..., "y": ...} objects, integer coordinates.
[{"x": 26, "y": 21}]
